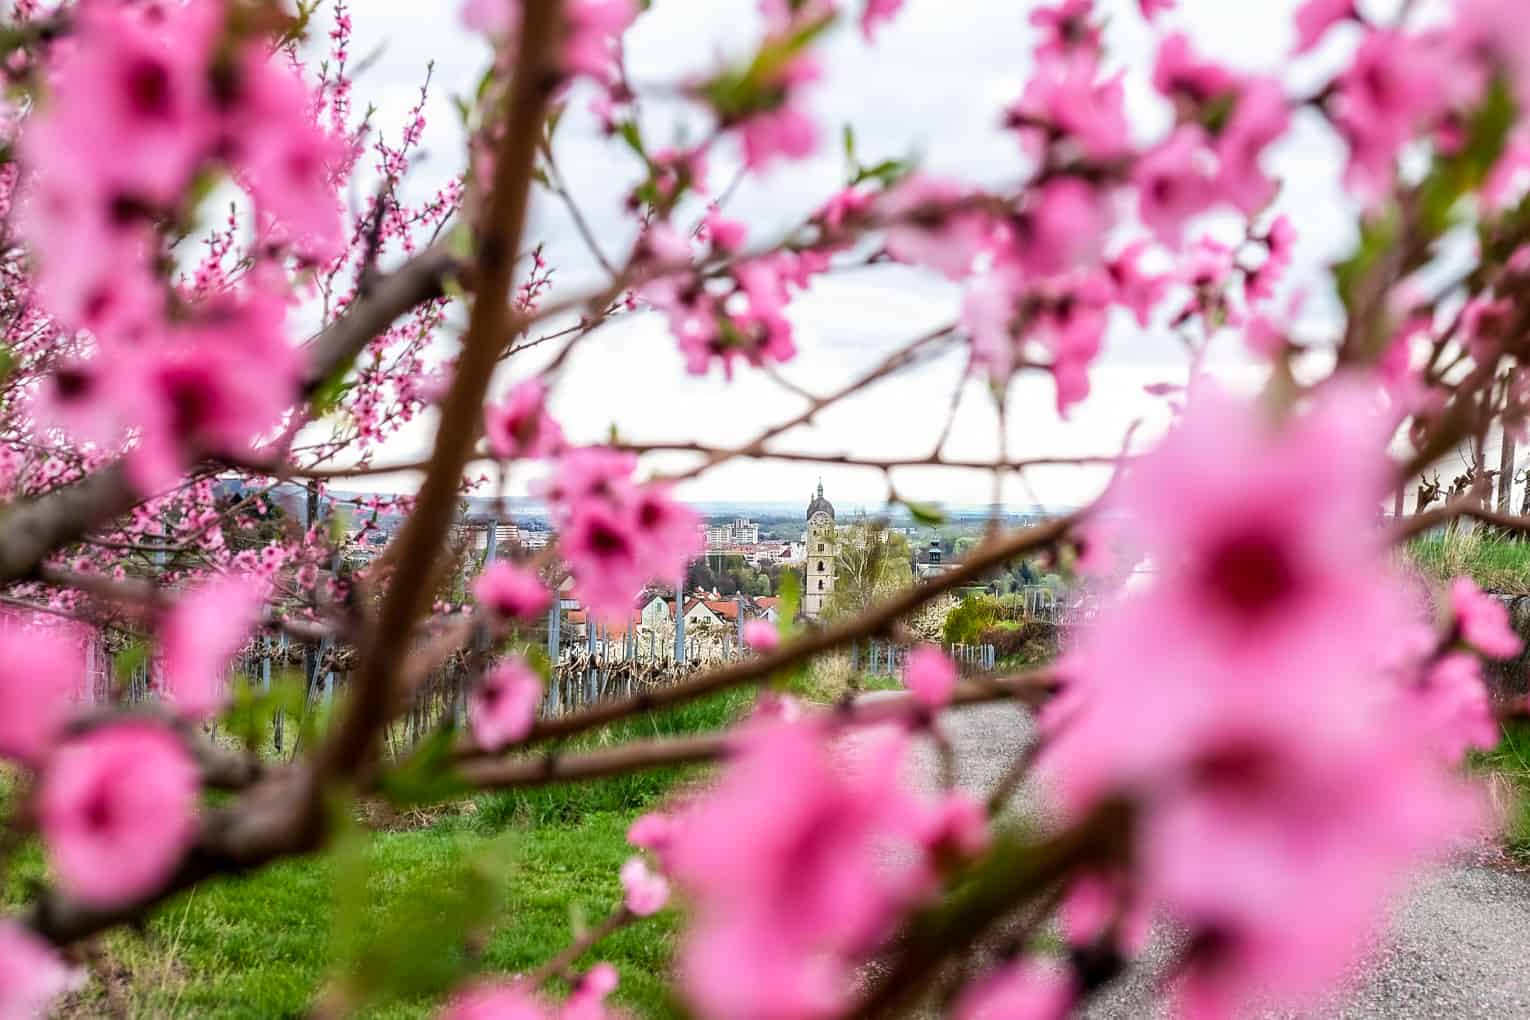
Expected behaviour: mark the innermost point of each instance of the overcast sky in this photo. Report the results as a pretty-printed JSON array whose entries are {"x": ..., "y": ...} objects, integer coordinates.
[{"x": 934, "y": 87}]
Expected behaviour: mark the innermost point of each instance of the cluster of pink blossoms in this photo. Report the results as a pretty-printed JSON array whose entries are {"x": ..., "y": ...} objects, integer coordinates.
[
  {"x": 144, "y": 101},
  {"x": 511, "y": 1002},
  {"x": 614, "y": 533},
  {"x": 739, "y": 315},
  {"x": 801, "y": 860},
  {"x": 1290, "y": 768}
]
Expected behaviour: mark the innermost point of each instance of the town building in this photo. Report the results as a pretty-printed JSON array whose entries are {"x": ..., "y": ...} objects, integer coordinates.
[{"x": 818, "y": 580}]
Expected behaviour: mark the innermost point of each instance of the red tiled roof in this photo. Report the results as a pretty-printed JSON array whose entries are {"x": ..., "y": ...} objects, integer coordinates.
[{"x": 726, "y": 608}]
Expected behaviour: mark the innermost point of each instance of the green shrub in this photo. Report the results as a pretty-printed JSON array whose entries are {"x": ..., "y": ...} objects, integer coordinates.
[{"x": 967, "y": 621}]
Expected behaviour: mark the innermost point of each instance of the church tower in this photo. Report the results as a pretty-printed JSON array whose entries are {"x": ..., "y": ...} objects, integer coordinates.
[{"x": 818, "y": 583}]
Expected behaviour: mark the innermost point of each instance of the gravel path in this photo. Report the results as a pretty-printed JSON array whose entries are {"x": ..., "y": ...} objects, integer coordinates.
[{"x": 1459, "y": 947}]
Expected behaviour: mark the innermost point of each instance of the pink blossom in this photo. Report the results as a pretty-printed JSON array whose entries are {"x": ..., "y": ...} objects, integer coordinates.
[
  {"x": 31, "y": 974},
  {"x": 1099, "y": 903},
  {"x": 644, "y": 893},
  {"x": 762, "y": 635},
  {"x": 1280, "y": 813},
  {"x": 1135, "y": 290},
  {"x": 1062, "y": 227},
  {"x": 1260, "y": 117},
  {"x": 930, "y": 227},
  {"x": 286, "y": 161},
  {"x": 1451, "y": 704},
  {"x": 726, "y": 235},
  {"x": 652, "y": 831},
  {"x": 1067, "y": 30},
  {"x": 593, "y": 28},
  {"x": 787, "y": 862},
  {"x": 1026, "y": 990},
  {"x": 1393, "y": 87},
  {"x": 493, "y": 1002},
  {"x": 930, "y": 676},
  {"x": 497, "y": 18},
  {"x": 1187, "y": 80},
  {"x": 1173, "y": 184},
  {"x": 587, "y": 1000},
  {"x": 218, "y": 383},
  {"x": 117, "y": 809},
  {"x": 508, "y": 592},
  {"x": 1152, "y": 8},
  {"x": 503, "y": 707},
  {"x": 1064, "y": 99},
  {"x": 956, "y": 829},
  {"x": 40, "y": 670},
  {"x": 1484, "y": 620},
  {"x": 200, "y": 637},
  {"x": 877, "y": 13},
  {"x": 1316, "y": 17},
  {"x": 519, "y": 427},
  {"x": 787, "y": 130}
]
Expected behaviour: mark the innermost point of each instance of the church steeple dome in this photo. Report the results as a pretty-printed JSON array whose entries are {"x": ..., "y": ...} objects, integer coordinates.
[{"x": 819, "y": 504}]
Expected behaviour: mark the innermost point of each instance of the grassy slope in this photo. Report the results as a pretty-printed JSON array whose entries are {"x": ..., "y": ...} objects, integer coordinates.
[
  {"x": 259, "y": 947},
  {"x": 1497, "y": 564}
]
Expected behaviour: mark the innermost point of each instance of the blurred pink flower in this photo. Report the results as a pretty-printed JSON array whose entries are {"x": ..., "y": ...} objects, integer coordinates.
[
  {"x": 117, "y": 809},
  {"x": 32, "y": 975},
  {"x": 956, "y": 828},
  {"x": 643, "y": 892},
  {"x": 493, "y": 1002},
  {"x": 1451, "y": 703},
  {"x": 790, "y": 867},
  {"x": 933, "y": 222},
  {"x": 508, "y": 592},
  {"x": 762, "y": 635},
  {"x": 503, "y": 707},
  {"x": 40, "y": 670},
  {"x": 199, "y": 638},
  {"x": 930, "y": 676},
  {"x": 1173, "y": 184},
  {"x": 1068, "y": 31},
  {"x": 1280, "y": 810},
  {"x": 593, "y": 28},
  {"x": 1484, "y": 620},
  {"x": 1259, "y": 118},
  {"x": 519, "y": 427},
  {"x": 878, "y": 13},
  {"x": 1316, "y": 17},
  {"x": 1025, "y": 990}
]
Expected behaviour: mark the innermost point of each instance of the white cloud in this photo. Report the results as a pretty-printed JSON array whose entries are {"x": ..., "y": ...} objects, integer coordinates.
[{"x": 934, "y": 85}]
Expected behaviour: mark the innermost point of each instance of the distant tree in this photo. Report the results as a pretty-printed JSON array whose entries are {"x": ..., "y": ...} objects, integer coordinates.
[{"x": 870, "y": 563}]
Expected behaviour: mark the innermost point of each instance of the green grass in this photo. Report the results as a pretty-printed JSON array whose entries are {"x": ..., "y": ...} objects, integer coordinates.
[
  {"x": 259, "y": 947},
  {"x": 1496, "y": 563},
  {"x": 1507, "y": 768},
  {"x": 528, "y": 866}
]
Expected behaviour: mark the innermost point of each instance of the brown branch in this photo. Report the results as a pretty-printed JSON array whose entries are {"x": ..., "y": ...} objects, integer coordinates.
[
  {"x": 1466, "y": 506},
  {"x": 882, "y": 464},
  {"x": 616, "y": 921},
  {"x": 1013, "y": 873},
  {"x": 420, "y": 545},
  {"x": 32, "y": 530}
]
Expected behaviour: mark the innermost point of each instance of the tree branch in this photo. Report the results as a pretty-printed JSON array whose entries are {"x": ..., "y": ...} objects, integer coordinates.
[{"x": 420, "y": 545}]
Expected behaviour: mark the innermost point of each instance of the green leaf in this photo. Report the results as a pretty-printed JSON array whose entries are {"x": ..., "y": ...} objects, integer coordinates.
[
  {"x": 847, "y": 138},
  {"x": 444, "y": 909},
  {"x": 250, "y": 715},
  {"x": 428, "y": 774},
  {"x": 887, "y": 173},
  {"x": 928, "y": 514},
  {"x": 628, "y": 130},
  {"x": 791, "y": 600}
]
